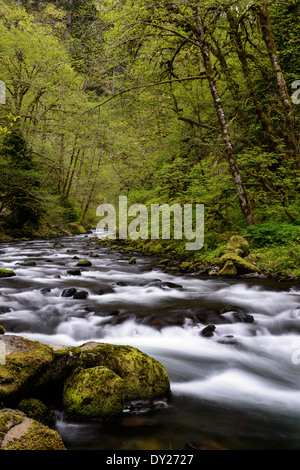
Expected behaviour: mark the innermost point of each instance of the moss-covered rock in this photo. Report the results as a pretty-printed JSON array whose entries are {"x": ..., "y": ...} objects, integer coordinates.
[
  {"x": 143, "y": 376},
  {"x": 2, "y": 330},
  {"x": 239, "y": 246},
  {"x": 7, "y": 273},
  {"x": 132, "y": 261},
  {"x": 24, "y": 361},
  {"x": 185, "y": 266},
  {"x": 242, "y": 266},
  {"x": 92, "y": 393},
  {"x": 228, "y": 270},
  {"x": 84, "y": 262},
  {"x": 35, "y": 409},
  {"x": 18, "y": 432},
  {"x": 65, "y": 360}
]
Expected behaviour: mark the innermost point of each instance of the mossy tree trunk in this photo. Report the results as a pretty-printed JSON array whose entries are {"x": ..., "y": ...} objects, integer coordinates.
[
  {"x": 289, "y": 134},
  {"x": 230, "y": 152}
]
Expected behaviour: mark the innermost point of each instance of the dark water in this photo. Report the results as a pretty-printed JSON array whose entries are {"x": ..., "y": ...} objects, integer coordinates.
[{"x": 239, "y": 388}]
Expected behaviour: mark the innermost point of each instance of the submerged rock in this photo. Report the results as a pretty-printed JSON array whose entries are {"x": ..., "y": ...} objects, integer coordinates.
[
  {"x": 45, "y": 290},
  {"x": 74, "y": 272},
  {"x": 81, "y": 295},
  {"x": 28, "y": 263},
  {"x": 69, "y": 292},
  {"x": 164, "y": 285},
  {"x": 18, "y": 432}
]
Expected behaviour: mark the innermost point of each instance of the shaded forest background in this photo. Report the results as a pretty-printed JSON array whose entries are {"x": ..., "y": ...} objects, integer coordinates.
[{"x": 163, "y": 102}]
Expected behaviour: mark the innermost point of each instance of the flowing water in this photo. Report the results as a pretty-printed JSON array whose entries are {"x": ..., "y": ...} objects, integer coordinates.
[{"x": 239, "y": 387}]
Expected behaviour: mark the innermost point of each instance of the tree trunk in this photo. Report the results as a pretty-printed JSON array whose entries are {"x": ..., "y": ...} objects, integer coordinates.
[
  {"x": 289, "y": 134},
  {"x": 230, "y": 153},
  {"x": 236, "y": 37}
]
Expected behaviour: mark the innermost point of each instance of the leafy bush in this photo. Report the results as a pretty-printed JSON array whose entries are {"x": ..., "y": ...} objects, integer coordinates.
[{"x": 272, "y": 233}]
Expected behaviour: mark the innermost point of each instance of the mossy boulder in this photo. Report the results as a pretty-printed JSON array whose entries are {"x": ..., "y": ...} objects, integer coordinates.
[
  {"x": 37, "y": 410},
  {"x": 228, "y": 269},
  {"x": 132, "y": 261},
  {"x": 185, "y": 266},
  {"x": 143, "y": 376},
  {"x": 242, "y": 266},
  {"x": 238, "y": 245},
  {"x": 84, "y": 262},
  {"x": 6, "y": 273},
  {"x": 24, "y": 361},
  {"x": 18, "y": 432},
  {"x": 65, "y": 359},
  {"x": 2, "y": 330},
  {"x": 93, "y": 393}
]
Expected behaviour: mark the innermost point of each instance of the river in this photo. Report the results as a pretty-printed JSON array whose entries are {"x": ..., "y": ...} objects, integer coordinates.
[{"x": 239, "y": 388}]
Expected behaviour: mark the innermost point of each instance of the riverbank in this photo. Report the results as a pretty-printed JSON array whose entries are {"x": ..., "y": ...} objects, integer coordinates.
[
  {"x": 279, "y": 262},
  {"x": 276, "y": 257}
]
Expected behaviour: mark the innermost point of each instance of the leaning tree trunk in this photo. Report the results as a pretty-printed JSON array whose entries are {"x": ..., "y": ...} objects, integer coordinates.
[
  {"x": 289, "y": 135},
  {"x": 230, "y": 153}
]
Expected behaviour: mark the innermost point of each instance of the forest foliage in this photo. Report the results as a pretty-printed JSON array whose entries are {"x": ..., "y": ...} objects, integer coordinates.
[{"x": 160, "y": 101}]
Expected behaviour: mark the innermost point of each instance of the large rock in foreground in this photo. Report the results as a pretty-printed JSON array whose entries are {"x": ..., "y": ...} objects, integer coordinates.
[
  {"x": 144, "y": 377},
  {"x": 18, "y": 432},
  {"x": 94, "y": 379},
  {"x": 24, "y": 362},
  {"x": 93, "y": 393}
]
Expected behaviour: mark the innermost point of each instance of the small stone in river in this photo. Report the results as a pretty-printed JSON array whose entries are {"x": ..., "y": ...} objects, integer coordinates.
[
  {"x": 132, "y": 261},
  {"x": 4, "y": 309},
  {"x": 80, "y": 295},
  {"x": 6, "y": 273},
  {"x": 58, "y": 245},
  {"x": 85, "y": 262},
  {"x": 68, "y": 292},
  {"x": 208, "y": 331},
  {"x": 243, "y": 317},
  {"x": 28, "y": 263},
  {"x": 45, "y": 290},
  {"x": 74, "y": 272}
]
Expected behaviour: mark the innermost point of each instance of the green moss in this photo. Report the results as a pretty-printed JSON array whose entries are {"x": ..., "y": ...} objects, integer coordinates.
[
  {"x": 238, "y": 245},
  {"x": 240, "y": 264},
  {"x": 144, "y": 377},
  {"x": 21, "y": 369},
  {"x": 85, "y": 262},
  {"x": 2, "y": 330},
  {"x": 132, "y": 261},
  {"x": 34, "y": 408},
  {"x": 229, "y": 269},
  {"x": 93, "y": 393},
  {"x": 6, "y": 273},
  {"x": 76, "y": 229},
  {"x": 37, "y": 437}
]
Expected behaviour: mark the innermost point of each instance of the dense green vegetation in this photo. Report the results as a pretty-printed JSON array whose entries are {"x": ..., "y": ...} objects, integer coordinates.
[{"x": 163, "y": 102}]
